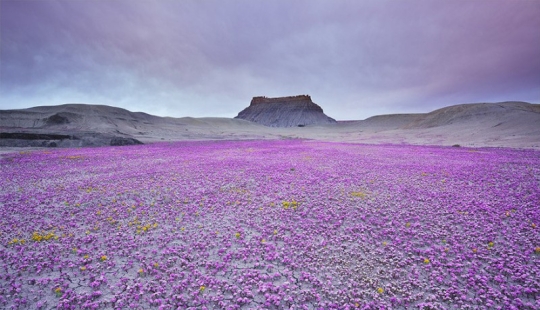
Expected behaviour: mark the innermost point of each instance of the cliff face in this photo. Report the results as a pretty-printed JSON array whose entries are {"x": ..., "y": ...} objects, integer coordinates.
[{"x": 294, "y": 111}]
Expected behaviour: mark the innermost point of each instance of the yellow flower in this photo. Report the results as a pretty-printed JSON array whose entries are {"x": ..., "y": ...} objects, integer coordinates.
[
  {"x": 426, "y": 260},
  {"x": 202, "y": 288},
  {"x": 384, "y": 243},
  {"x": 537, "y": 250},
  {"x": 58, "y": 292},
  {"x": 408, "y": 224},
  {"x": 86, "y": 256},
  {"x": 490, "y": 244},
  {"x": 263, "y": 241},
  {"x": 103, "y": 258},
  {"x": 156, "y": 265},
  {"x": 141, "y": 270},
  {"x": 358, "y": 194},
  {"x": 37, "y": 236},
  {"x": 237, "y": 235},
  {"x": 275, "y": 231},
  {"x": 83, "y": 268},
  {"x": 533, "y": 225},
  {"x": 380, "y": 290},
  {"x": 475, "y": 250}
]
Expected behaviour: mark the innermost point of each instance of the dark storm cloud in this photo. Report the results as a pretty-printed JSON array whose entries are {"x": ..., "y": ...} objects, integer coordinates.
[{"x": 202, "y": 58}]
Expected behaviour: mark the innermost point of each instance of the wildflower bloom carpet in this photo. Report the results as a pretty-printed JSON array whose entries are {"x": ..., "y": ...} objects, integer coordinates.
[{"x": 270, "y": 224}]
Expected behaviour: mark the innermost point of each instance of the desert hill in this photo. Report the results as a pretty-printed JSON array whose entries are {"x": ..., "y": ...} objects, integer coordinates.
[
  {"x": 98, "y": 125},
  {"x": 292, "y": 111},
  {"x": 505, "y": 124},
  {"x": 504, "y": 113}
]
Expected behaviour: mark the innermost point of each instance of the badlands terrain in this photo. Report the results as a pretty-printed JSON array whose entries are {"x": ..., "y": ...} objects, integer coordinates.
[{"x": 504, "y": 124}]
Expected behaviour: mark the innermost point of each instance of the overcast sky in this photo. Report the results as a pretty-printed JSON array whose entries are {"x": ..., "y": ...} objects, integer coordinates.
[{"x": 209, "y": 58}]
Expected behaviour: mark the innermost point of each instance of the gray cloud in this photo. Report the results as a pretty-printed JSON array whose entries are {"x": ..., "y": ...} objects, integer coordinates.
[{"x": 208, "y": 58}]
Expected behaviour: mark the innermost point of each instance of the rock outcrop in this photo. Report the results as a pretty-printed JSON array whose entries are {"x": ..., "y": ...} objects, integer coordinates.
[
  {"x": 39, "y": 138},
  {"x": 294, "y": 111}
]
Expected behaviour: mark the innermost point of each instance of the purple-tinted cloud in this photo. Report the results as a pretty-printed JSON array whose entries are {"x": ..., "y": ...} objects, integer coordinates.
[{"x": 208, "y": 58}]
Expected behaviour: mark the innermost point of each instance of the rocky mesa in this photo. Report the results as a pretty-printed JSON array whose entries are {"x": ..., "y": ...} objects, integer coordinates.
[{"x": 292, "y": 111}]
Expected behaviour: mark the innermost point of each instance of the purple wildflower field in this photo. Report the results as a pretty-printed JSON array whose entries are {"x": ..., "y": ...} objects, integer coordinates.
[{"x": 270, "y": 225}]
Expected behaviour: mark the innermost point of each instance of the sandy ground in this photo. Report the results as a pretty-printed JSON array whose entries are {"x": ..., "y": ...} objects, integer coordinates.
[
  {"x": 357, "y": 132},
  {"x": 7, "y": 150},
  {"x": 445, "y": 135}
]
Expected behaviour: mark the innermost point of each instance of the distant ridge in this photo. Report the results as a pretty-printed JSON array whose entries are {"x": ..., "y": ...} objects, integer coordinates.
[
  {"x": 81, "y": 125},
  {"x": 503, "y": 124},
  {"x": 509, "y": 111},
  {"x": 292, "y": 111}
]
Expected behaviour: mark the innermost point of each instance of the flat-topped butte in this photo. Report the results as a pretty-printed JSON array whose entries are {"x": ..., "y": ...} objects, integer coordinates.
[
  {"x": 286, "y": 99},
  {"x": 291, "y": 111}
]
